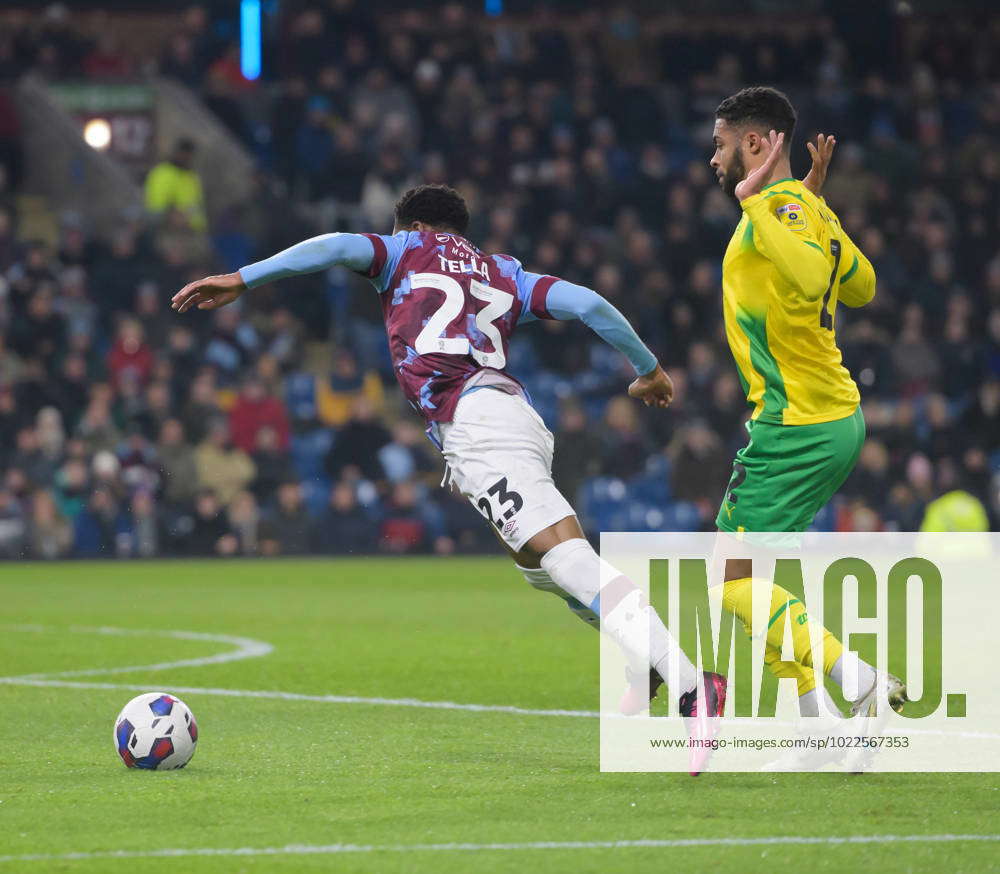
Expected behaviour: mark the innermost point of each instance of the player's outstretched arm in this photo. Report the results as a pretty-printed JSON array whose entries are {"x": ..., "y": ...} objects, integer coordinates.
[
  {"x": 564, "y": 301},
  {"x": 209, "y": 293},
  {"x": 355, "y": 251}
]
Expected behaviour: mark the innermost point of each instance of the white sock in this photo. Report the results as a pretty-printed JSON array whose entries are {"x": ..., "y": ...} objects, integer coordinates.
[
  {"x": 539, "y": 578},
  {"x": 855, "y": 683},
  {"x": 630, "y": 621},
  {"x": 810, "y": 703}
]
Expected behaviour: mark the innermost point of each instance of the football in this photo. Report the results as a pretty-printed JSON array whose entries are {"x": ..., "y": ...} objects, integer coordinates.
[{"x": 156, "y": 732}]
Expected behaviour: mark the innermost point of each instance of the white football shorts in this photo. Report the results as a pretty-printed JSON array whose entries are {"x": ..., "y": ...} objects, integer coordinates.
[{"x": 499, "y": 454}]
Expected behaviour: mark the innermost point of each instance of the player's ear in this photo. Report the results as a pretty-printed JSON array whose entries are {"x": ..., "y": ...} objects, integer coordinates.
[{"x": 752, "y": 141}]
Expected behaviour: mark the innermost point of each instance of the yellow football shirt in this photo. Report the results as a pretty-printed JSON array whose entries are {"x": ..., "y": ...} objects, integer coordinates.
[{"x": 787, "y": 265}]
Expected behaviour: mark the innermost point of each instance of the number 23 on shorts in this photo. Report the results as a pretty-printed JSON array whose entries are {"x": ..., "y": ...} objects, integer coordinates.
[{"x": 494, "y": 504}]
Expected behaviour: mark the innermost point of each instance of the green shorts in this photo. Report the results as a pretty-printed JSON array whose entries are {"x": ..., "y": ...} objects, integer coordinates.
[{"x": 785, "y": 475}]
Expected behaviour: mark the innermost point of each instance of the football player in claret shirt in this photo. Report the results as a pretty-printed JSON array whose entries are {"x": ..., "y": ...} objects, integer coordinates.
[
  {"x": 788, "y": 264},
  {"x": 449, "y": 313}
]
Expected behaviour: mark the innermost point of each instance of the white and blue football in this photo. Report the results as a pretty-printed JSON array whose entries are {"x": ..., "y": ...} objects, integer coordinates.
[{"x": 156, "y": 732}]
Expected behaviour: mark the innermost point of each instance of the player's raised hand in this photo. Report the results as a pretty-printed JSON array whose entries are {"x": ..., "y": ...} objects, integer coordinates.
[
  {"x": 209, "y": 293},
  {"x": 757, "y": 179},
  {"x": 821, "y": 154},
  {"x": 654, "y": 389}
]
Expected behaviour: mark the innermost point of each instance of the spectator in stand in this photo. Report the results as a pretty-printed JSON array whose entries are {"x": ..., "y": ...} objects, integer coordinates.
[
  {"x": 101, "y": 530},
  {"x": 254, "y": 410},
  {"x": 410, "y": 525},
  {"x": 70, "y": 390},
  {"x": 175, "y": 184},
  {"x": 41, "y": 331},
  {"x": 223, "y": 468},
  {"x": 202, "y": 406},
  {"x": 130, "y": 356},
  {"x": 156, "y": 408},
  {"x": 209, "y": 532},
  {"x": 344, "y": 527},
  {"x": 335, "y": 398},
  {"x": 10, "y": 422},
  {"x": 283, "y": 338},
  {"x": 272, "y": 464},
  {"x": 871, "y": 478},
  {"x": 382, "y": 187},
  {"x": 183, "y": 355},
  {"x": 181, "y": 63},
  {"x": 314, "y": 148},
  {"x": 72, "y": 486},
  {"x": 140, "y": 465},
  {"x": 625, "y": 446},
  {"x": 406, "y": 457},
  {"x": 286, "y": 530},
  {"x": 107, "y": 60},
  {"x": 10, "y": 363},
  {"x": 96, "y": 426},
  {"x": 51, "y": 437},
  {"x": 147, "y": 528},
  {"x": 578, "y": 451},
  {"x": 30, "y": 458},
  {"x": 700, "y": 465},
  {"x": 358, "y": 444},
  {"x": 581, "y": 156},
  {"x": 50, "y": 535},
  {"x": 178, "y": 469},
  {"x": 13, "y": 527},
  {"x": 233, "y": 344},
  {"x": 244, "y": 520}
]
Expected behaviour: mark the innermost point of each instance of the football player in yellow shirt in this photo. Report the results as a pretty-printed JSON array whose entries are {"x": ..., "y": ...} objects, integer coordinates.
[{"x": 788, "y": 264}]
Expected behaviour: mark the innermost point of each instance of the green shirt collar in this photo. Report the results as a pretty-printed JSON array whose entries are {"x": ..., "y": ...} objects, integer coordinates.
[{"x": 779, "y": 181}]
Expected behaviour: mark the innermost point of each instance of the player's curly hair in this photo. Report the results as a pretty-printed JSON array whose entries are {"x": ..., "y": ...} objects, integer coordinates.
[
  {"x": 437, "y": 205},
  {"x": 761, "y": 106}
]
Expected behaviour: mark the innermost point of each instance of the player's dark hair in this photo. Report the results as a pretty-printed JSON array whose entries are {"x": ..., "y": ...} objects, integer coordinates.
[
  {"x": 760, "y": 106},
  {"x": 439, "y": 206}
]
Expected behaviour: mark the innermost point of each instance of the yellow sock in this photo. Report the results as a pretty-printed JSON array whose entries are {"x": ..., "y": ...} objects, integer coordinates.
[
  {"x": 805, "y": 678},
  {"x": 737, "y": 598}
]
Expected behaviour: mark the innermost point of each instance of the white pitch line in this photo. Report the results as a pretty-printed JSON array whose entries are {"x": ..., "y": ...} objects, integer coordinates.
[
  {"x": 334, "y": 849},
  {"x": 246, "y": 648},
  {"x": 249, "y": 648},
  {"x": 298, "y": 696}
]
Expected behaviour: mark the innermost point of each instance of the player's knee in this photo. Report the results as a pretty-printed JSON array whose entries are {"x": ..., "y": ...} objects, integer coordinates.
[
  {"x": 579, "y": 570},
  {"x": 738, "y": 569}
]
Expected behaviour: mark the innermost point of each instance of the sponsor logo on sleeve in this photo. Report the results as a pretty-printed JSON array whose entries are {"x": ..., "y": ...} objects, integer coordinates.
[{"x": 792, "y": 216}]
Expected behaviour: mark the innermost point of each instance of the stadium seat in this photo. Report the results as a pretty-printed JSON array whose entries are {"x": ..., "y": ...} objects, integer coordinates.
[{"x": 653, "y": 484}]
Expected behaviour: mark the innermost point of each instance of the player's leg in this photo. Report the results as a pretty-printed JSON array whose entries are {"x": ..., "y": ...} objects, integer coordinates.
[
  {"x": 630, "y": 620},
  {"x": 538, "y": 578},
  {"x": 500, "y": 456},
  {"x": 781, "y": 480},
  {"x": 623, "y": 609}
]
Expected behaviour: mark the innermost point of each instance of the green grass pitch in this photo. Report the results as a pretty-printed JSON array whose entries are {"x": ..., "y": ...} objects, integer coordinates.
[{"x": 271, "y": 773}]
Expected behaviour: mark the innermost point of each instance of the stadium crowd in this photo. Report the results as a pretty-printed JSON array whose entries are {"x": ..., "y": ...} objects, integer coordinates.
[{"x": 581, "y": 142}]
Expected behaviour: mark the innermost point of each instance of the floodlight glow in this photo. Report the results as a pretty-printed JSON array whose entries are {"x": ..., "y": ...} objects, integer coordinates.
[{"x": 97, "y": 134}]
